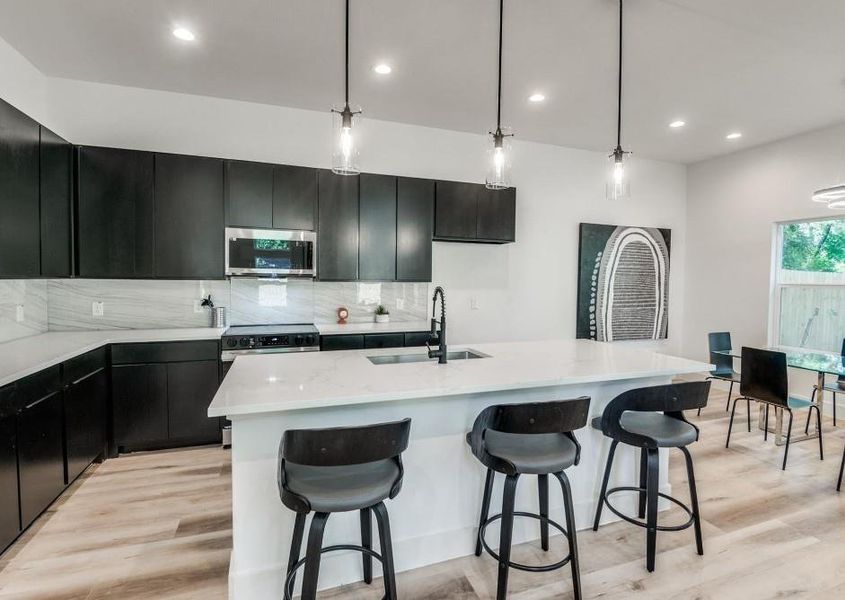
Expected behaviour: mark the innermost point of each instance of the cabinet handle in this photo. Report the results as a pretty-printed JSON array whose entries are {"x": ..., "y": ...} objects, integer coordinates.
[
  {"x": 84, "y": 377},
  {"x": 39, "y": 401}
]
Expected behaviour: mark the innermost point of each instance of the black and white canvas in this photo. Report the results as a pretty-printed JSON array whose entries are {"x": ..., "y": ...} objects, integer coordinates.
[{"x": 623, "y": 282}]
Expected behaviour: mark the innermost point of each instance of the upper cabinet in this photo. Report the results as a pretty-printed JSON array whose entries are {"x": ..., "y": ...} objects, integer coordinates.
[
  {"x": 337, "y": 238},
  {"x": 188, "y": 224},
  {"x": 261, "y": 195},
  {"x": 414, "y": 228},
  {"x": 20, "y": 230},
  {"x": 115, "y": 213},
  {"x": 469, "y": 212},
  {"x": 377, "y": 228},
  {"x": 56, "y": 182}
]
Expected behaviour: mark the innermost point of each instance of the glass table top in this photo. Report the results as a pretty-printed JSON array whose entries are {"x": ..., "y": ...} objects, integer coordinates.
[{"x": 820, "y": 362}]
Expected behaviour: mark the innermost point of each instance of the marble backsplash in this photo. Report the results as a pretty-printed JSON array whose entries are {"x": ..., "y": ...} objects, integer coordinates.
[
  {"x": 144, "y": 304},
  {"x": 23, "y": 308}
]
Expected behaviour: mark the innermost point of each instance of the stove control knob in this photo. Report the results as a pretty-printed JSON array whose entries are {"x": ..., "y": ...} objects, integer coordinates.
[
  {"x": 309, "y": 340},
  {"x": 298, "y": 340},
  {"x": 231, "y": 342},
  {"x": 243, "y": 342}
]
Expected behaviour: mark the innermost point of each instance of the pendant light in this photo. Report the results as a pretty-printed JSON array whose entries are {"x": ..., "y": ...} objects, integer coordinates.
[
  {"x": 499, "y": 155},
  {"x": 833, "y": 196},
  {"x": 345, "y": 156},
  {"x": 618, "y": 187}
]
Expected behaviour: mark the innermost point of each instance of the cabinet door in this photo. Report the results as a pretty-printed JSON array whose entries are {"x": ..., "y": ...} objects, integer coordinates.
[
  {"x": 294, "y": 198},
  {"x": 41, "y": 461},
  {"x": 455, "y": 210},
  {"x": 115, "y": 213},
  {"x": 139, "y": 398},
  {"x": 384, "y": 340},
  {"x": 417, "y": 338},
  {"x": 342, "y": 342},
  {"x": 497, "y": 215},
  {"x": 337, "y": 240},
  {"x": 188, "y": 217},
  {"x": 414, "y": 229},
  {"x": 249, "y": 194},
  {"x": 10, "y": 524},
  {"x": 56, "y": 177},
  {"x": 20, "y": 230},
  {"x": 377, "y": 228},
  {"x": 85, "y": 421},
  {"x": 190, "y": 388}
]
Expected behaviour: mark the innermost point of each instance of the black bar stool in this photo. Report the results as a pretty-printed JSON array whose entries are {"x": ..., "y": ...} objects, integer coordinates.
[
  {"x": 340, "y": 470},
  {"x": 528, "y": 439},
  {"x": 633, "y": 418}
]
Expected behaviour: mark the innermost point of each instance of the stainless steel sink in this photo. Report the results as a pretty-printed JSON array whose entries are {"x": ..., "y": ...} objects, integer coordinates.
[{"x": 396, "y": 359}]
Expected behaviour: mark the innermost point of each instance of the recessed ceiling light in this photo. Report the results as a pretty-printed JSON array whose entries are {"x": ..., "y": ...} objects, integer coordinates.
[
  {"x": 733, "y": 136},
  {"x": 538, "y": 97},
  {"x": 184, "y": 34},
  {"x": 382, "y": 69},
  {"x": 677, "y": 124}
]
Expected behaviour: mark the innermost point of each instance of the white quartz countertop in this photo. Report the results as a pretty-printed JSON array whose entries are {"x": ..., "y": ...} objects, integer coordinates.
[
  {"x": 25, "y": 356},
  {"x": 399, "y": 326},
  {"x": 281, "y": 382}
]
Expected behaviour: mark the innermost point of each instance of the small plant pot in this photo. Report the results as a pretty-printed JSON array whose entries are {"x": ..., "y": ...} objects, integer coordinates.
[{"x": 382, "y": 318}]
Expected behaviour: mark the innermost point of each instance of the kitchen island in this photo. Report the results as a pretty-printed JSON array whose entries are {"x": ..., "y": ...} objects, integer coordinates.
[{"x": 434, "y": 518}]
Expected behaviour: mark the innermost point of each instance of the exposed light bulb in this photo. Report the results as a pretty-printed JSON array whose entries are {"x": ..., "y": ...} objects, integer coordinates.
[
  {"x": 346, "y": 142},
  {"x": 499, "y": 162},
  {"x": 618, "y": 173}
]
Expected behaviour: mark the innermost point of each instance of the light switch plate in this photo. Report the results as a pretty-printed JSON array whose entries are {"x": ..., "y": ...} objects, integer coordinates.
[
  {"x": 19, "y": 315},
  {"x": 97, "y": 309}
]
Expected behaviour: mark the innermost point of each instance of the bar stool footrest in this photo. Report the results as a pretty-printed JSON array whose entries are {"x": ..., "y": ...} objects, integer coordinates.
[
  {"x": 289, "y": 592},
  {"x": 519, "y": 566},
  {"x": 637, "y": 522}
]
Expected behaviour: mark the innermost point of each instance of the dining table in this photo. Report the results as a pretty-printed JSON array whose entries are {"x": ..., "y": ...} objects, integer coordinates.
[{"x": 821, "y": 363}]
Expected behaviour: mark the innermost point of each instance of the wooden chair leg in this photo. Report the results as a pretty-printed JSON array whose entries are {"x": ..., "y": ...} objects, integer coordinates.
[
  {"x": 295, "y": 548},
  {"x": 570, "y": 533},
  {"x": 506, "y": 536},
  {"x": 312, "y": 556},
  {"x": 643, "y": 482},
  {"x": 367, "y": 542},
  {"x": 651, "y": 509},
  {"x": 604, "y": 481},
  {"x": 388, "y": 568},
  {"x": 543, "y": 492},
  {"x": 485, "y": 508},
  {"x": 694, "y": 502}
]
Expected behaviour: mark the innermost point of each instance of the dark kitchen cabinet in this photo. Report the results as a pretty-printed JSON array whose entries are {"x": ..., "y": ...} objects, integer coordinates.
[
  {"x": 342, "y": 342},
  {"x": 190, "y": 389},
  {"x": 377, "y": 228},
  {"x": 249, "y": 194},
  {"x": 417, "y": 338},
  {"x": 294, "y": 198},
  {"x": 139, "y": 398},
  {"x": 20, "y": 229},
  {"x": 56, "y": 180},
  {"x": 414, "y": 228},
  {"x": 188, "y": 217},
  {"x": 384, "y": 340},
  {"x": 10, "y": 525},
  {"x": 86, "y": 406},
  {"x": 496, "y": 215},
  {"x": 337, "y": 239},
  {"x": 115, "y": 213},
  {"x": 41, "y": 465},
  {"x": 455, "y": 211}
]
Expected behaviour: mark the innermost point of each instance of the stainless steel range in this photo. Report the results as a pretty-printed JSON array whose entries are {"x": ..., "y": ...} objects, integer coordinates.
[{"x": 265, "y": 339}]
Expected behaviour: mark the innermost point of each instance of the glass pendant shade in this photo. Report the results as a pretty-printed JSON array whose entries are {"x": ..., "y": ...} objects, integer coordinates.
[
  {"x": 618, "y": 186},
  {"x": 346, "y": 121},
  {"x": 499, "y": 161}
]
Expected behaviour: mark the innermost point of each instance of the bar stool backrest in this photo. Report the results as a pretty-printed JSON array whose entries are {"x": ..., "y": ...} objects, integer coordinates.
[
  {"x": 720, "y": 340},
  {"x": 764, "y": 376},
  {"x": 671, "y": 399},
  {"x": 341, "y": 446},
  {"x": 558, "y": 416}
]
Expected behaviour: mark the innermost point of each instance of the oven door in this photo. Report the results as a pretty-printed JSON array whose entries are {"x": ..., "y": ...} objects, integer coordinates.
[{"x": 270, "y": 252}]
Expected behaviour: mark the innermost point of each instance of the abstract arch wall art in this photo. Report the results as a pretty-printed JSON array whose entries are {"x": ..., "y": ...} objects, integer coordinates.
[{"x": 623, "y": 283}]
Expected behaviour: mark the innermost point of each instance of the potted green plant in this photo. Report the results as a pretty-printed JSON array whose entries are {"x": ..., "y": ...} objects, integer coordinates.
[{"x": 382, "y": 314}]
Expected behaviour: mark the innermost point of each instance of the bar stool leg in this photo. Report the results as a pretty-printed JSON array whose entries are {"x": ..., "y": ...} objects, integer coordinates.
[
  {"x": 295, "y": 546},
  {"x": 694, "y": 501},
  {"x": 570, "y": 533},
  {"x": 388, "y": 568},
  {"x": 485, "y": 508},
  {"x": 643, "y": 482},
  {"x": 312, "y": 556},
  {"x": 506, "y": 535},
  {"x": 367, "y": 542},
  {"x": 604, "y": 481},
  {"x": 543, "y": 490},
  {"x": 652, "y": 486}
]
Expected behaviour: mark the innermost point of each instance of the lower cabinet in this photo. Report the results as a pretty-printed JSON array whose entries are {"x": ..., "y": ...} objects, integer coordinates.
[
  {"x": 190, "y": 389},
  {"x": 86, "y": 415},
  {"x": 10, "y": 523},
  {"x": 373, "y": 340},
  {"x": 41, "y": 464}
]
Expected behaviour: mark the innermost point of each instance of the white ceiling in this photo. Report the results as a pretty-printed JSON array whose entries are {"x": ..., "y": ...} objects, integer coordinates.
[{"x": 768, "y": 68}]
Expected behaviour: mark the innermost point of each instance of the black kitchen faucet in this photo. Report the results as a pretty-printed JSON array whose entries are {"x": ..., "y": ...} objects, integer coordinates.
[{"x": 441, "y": 353}]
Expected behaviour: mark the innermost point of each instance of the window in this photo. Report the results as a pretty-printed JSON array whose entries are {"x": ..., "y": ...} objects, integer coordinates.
[{"x": 809, "y": 294}]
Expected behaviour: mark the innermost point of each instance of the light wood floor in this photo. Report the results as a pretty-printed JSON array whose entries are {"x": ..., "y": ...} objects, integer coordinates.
[{"x": 158, "y": 526}]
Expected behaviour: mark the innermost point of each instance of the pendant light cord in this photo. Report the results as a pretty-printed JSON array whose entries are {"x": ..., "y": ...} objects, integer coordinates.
[
  {"x": 619, "y": 98},
  {"x": 347, "y": 55},
  {"x": 499, "y": 91}
]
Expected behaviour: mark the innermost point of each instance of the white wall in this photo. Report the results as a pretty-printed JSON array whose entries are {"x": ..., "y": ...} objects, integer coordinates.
[
  {"x": 733, "y": 203},
  {"x": 525, "y": 290}
]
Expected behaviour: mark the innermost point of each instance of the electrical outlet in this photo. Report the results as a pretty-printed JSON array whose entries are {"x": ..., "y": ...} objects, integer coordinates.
[
  {"x": 197, "y": 306},
  {"x": 97, "y": 309},
  {"x": 473, "y": 304},
  {"x": 400, "y": 303},
  {"x": 19, "y": 316}
]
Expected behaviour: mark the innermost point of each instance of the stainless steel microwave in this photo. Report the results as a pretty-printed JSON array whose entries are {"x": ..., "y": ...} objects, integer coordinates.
[{"x": 271, "y": 252}]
